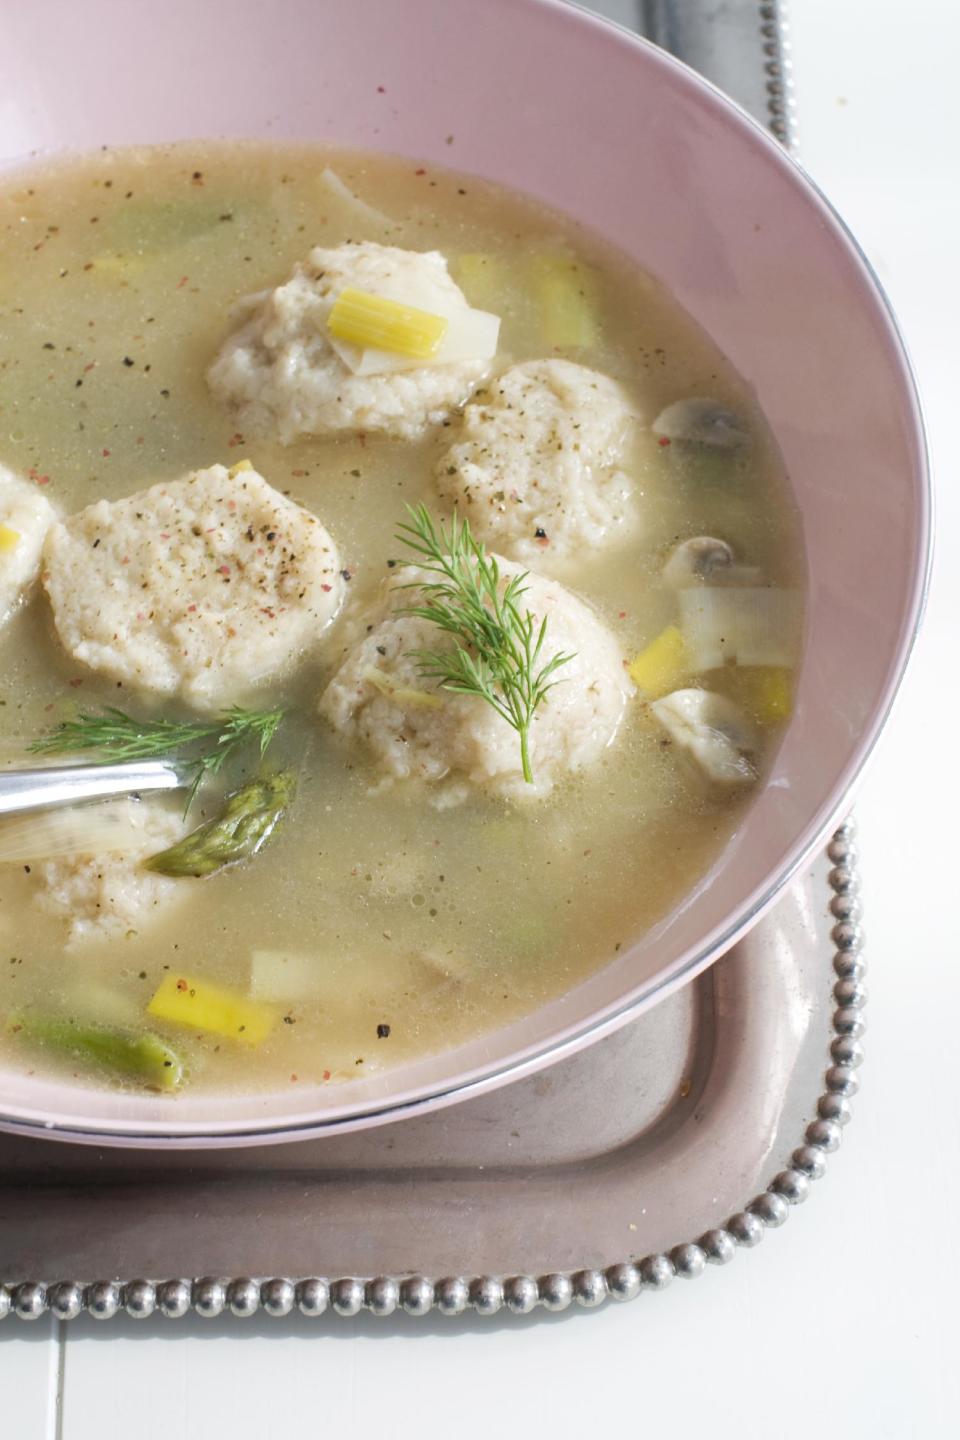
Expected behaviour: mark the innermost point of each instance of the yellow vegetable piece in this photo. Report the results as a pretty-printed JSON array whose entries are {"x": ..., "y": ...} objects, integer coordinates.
[
  {"x": 417, "y": 699},
  {"x": 374, "y": 322},
  {"x": 184, "y": 1001},
  {"x": 240, "y": 466},
  {"x": 481, "y": 277},
  {"x": 662, "y": 666},
  {"x": 765, "y": 692},
  {"x": 9, "y": 538},
  {"x": 563, "y": 290},
  {"x": 402, "y": 694}
]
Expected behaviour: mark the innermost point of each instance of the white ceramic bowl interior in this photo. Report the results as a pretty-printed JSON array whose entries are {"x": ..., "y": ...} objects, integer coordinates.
[{"x": 550, "y": 100}]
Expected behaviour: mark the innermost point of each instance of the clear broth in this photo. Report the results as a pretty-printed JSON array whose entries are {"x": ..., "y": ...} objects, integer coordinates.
[{"x": 438, "y": 925}]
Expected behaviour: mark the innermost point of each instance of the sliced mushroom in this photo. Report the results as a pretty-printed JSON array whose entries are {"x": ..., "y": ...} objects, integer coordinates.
[
  {"x": 706, "y": 560},
  {"x": 713, "y": 731},
  {"x": 695, "y": 560},
  {"x": 704, "y": 421}
]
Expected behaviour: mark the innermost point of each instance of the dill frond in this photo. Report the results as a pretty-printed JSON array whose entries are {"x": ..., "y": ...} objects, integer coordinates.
[{"x": 497, "y": 642}]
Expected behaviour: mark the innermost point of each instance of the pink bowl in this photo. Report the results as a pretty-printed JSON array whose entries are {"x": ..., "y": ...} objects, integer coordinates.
[{"x": 599, "y": 124}]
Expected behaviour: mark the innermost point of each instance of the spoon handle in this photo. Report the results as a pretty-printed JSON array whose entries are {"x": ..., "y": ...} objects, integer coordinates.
[{"x": 40, "y": 789}]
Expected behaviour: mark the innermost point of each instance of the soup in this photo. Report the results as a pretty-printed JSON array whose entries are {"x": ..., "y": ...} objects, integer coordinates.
[{"x": 428, "y": 880}]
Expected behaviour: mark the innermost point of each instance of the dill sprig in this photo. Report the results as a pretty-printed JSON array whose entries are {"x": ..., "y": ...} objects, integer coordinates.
[
  {"x": 113, "y": 736},
  {"x": 497, "y": 645}
]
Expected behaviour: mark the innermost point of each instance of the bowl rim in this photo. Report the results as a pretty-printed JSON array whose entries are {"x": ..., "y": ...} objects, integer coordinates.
[{"x": 118, "y": 1132}]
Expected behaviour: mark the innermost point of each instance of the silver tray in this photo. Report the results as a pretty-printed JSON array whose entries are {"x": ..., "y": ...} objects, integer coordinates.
[{"x": 665, "y": 1147}]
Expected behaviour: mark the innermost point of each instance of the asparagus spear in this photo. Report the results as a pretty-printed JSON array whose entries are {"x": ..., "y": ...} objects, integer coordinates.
[
  {"x": 133, "y": 1054},
  {"x": 249, "y": 818}
]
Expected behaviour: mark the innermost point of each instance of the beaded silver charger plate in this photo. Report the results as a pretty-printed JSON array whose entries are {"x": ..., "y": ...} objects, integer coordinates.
[{"x": 661, "y": 1149}]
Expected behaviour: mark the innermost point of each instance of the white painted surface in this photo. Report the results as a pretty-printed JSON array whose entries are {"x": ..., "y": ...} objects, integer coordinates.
[
  {"x": 845, "y": 1322},
  {"x": 30, "y": 1361}
]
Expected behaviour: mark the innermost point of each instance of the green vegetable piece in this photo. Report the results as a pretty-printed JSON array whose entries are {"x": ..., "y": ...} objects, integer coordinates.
[
  {"x": 112, "y": 735},
  {"x": 249, "y": 818},
  {"x": 149, "y": 227},
  {"x": 130, "y": 1054},
  {"x": 496, "y": 646}
]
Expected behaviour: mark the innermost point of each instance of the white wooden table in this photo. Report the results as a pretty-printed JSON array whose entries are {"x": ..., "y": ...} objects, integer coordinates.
[{"x": 845, "y": 1323}]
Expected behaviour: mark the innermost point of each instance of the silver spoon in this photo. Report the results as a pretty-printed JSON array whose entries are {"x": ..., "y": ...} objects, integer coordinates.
[{"x": 47, "y": 786}]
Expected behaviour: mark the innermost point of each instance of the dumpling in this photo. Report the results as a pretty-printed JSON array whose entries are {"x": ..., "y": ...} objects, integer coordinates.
[
  {"x": 108, "y": 895},
  {"x": 414, "y": 730},
  {"x": 281, "y": 374},
  {"x": 536, "y": 465},
  {"x": 200, "y": 588}
]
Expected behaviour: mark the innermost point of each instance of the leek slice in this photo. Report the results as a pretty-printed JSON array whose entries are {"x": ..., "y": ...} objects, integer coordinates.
[
  {"x": 335, "y": 188},
  {"x": 83, "y": 830},
  {"x": 480, "y": 276},
  {"x": 470, "y": 335},
  {"x": 197, "y": 1003},
  {"x": 402, "y": 695},
  {"x": 562, "y": 287},
  {"x": 764, "y": 691},
  {"x": 283, "y": 976},
  {"x": 147, "y": 228},
  {"x": 329, "y": 978},
  {"x": 662, "y": 666},
  {"x": 748, "y": 626},
  {"x": 373, "y": 321}
]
